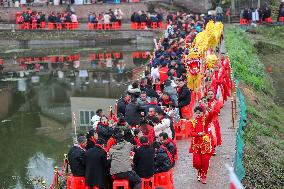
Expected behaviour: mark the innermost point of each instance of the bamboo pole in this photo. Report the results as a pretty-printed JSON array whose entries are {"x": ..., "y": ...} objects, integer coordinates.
[
  {"x": 233, "y": 117},
  {"x": 56, "y": 184},
  {"x": 67, "y": 164},
  {"x": 115, "y": 107},
  {"x": 235, "y": 100}
]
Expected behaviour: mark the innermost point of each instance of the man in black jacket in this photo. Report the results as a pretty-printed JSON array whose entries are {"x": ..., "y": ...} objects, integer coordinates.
[
  {"x": 144, "y": 159},
  {"x": 96, "y": 166},
  {"x": 122, "y": 103},
  {"x": 144, "y": 86},
  {"x": 76, "y": 157},
  {"x": 183, "y": 97},
  {"x": 168, "y": 143},
  {"x": 162, "y": 160},
  {"x": 133, "y": 113},
  {"x": 137, "y": 18},
  {"x": 132, "y": 17},
  {"x": 143, "y": 17},
  {"x": 104, "y": 130}
]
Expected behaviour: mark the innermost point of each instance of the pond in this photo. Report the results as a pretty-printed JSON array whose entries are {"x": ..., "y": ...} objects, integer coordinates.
[{"x": 40, "y": 90}]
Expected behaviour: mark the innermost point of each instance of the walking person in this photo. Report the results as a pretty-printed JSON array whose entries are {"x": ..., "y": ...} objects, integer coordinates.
[{"x": 201, "y": 146}]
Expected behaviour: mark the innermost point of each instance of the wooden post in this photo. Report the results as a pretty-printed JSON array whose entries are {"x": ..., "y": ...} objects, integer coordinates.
[
  {"x": 233, "y": 7},
  {"x": 235, "y": 99},
  {"x": 233, "y": 117}
]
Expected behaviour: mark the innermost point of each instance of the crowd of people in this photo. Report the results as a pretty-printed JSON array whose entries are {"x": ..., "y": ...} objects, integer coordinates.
[
  {"x": 107, "y": 17},
  {"x": 38, "y": 19},
  {"x": 146, "y": 17},
  {"x": 143, "y": 123},
  {"x": 256, "y": 15},
  {"x": 30, "y": 16},
  {"x": 65, "y": 17}
]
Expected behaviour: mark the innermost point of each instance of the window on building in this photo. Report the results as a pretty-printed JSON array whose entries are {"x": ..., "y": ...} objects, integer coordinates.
[{"x": 85, "y": 117}]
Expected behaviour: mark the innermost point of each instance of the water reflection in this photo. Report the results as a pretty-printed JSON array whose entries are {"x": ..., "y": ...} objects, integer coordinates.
[{"x": 37, "y": 92}]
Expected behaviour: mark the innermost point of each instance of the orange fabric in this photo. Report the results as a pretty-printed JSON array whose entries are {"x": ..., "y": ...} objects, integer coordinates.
[{"x": 110, "y": 143}]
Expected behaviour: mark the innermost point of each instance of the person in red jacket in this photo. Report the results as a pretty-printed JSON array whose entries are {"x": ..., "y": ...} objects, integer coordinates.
[
  {"x": 201, "y": 146},
  {"x": 137, "y": 135},
  {"x": 148, "y": 131},
  {"x": 112, "y": 140}
]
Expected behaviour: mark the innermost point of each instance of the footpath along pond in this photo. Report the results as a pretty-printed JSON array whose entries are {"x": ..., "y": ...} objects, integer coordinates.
[{"x": 40, "y": 87}]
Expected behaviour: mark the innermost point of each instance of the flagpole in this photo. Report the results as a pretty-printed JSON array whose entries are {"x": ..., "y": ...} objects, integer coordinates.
[
  {"x": 75, "y": 127},
  {"x": 235, "y": 183}
]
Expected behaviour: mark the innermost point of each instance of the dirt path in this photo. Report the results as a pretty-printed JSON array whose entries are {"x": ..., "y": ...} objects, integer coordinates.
[{"x": 218, "y": 178}]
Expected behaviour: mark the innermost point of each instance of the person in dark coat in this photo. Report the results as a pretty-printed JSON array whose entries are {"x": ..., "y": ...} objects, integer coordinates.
[
  {"x": 96, "y": 166},
  {"x": 180, "y": 70},
  {"x": 143, "y": 17},
  {"x": 76, "y": 157},
  {"x": 184, "y": 95},
  {"x": 160, "y": 17},
  {"x": 168, "y": 143},
  {"x": 103, "y": 129},
  {"x": 246, "y": 14},
  {"x": 132, "y": 17},
  {"x": 137, "y": 18},
  {"x": 162, "y": 162},
  {"x": 152, "y": 104},
  {"x": 122, "y": 103},
  {"x": 92, "y": 138},
  {"x": 133, "y": 113},
  {"x": 281, "y": 11},
  {"x": 144, "y": 86},
  {"x": 144, "y": 159}
]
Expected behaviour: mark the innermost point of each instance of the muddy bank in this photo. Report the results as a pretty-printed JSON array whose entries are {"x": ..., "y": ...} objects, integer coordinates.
[{"x": 27, "y": 38}]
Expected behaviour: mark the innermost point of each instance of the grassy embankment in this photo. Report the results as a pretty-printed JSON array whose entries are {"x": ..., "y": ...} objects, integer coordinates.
[{"x": 263, "y": 136}]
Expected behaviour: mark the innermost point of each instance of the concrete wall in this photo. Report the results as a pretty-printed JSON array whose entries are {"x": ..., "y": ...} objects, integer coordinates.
[
  {"x": 89, "y": 104},
  {"x": 8, "y": 14}
]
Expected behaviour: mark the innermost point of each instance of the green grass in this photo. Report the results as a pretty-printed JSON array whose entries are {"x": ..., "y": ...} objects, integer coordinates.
[
  {"x": 263, "y": 156},
  {"x": 246, "y": 63}
]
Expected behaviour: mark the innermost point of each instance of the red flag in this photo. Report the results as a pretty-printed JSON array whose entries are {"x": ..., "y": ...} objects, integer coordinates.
[{"x": 235, "y": 183}]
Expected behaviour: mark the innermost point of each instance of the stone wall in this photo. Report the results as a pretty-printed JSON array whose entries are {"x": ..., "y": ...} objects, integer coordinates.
[{"x": 82, "y": 11}]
